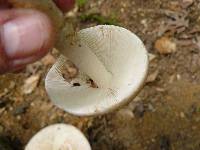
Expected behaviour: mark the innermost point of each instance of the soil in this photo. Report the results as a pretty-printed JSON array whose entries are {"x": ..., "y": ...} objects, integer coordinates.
[{"x": 166, "y": 113}]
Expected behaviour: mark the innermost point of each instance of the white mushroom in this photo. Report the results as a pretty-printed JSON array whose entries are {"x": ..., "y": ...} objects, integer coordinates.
[
  {"x": 58, "y": 137},
  {"x": 113, "y": 57}
]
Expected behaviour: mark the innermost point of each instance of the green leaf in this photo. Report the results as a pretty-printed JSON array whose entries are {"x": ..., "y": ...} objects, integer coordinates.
[{"x": 81, "y": 2}]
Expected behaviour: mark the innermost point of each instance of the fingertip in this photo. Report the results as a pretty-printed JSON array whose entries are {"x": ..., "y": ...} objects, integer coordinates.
[{"x": 24, "y": 38}]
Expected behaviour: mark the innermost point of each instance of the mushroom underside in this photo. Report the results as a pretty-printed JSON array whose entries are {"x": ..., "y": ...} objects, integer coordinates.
[{"x": 113, "y": 57}]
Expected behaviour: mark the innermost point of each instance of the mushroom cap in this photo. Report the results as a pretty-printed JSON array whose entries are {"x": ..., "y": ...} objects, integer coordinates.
[
  {"x": 58, "y": 137},
  {"x": 113, "y": 57}
]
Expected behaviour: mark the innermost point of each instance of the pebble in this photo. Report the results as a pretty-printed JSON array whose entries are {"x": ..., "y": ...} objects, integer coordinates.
[
  {"x": 194, "y": 127},
  {"x": 2, "y": 110},
  {"x": 165, "y": 45},
  {"x": 151, "y": 108},
  {"x": 178, "y": 76},
  {"x": 19, "y": 117},
  {"x": 186, "y": 3},
  {"x": 182, "y": 115},
  {"x": 126, "y": 113},
  {"x": 20, "y": 109},
  {"x": 12, "y": 85}
]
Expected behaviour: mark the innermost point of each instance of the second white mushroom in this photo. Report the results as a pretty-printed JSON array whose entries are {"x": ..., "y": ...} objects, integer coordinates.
[{"x": 59, "y": 137}]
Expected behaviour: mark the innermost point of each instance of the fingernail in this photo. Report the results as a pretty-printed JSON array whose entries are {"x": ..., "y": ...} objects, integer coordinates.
[
  {"x": 65, "y": 5},
  {"x": 24, "y": 36}
]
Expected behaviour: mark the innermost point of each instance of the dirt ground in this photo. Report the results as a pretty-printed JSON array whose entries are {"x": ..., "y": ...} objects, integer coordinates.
[{"x": 166, "y": 113}]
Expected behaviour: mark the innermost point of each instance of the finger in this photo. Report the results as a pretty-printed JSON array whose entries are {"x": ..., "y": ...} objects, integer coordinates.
[
  {"x": 25, "y": 36},
  {"x": 65, "y": 5},
  {"x": 4, "y": 4}
]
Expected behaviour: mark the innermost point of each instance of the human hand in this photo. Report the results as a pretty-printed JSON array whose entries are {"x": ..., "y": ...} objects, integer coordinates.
[{"x": 25, "y": 35}]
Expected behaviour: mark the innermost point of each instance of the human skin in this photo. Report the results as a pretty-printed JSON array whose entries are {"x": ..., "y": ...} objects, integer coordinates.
[{"x": 25, "y": 35}]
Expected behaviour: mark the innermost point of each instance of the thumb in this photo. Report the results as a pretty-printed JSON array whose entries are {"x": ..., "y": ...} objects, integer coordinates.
[{"x": 25, "y": 36}]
